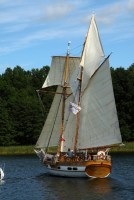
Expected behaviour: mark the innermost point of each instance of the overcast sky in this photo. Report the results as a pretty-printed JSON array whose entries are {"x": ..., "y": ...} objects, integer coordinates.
[{"x": 31, "y": 31}]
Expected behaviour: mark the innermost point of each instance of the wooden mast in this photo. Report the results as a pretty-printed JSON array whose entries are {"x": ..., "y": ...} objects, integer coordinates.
[
  {"x": 80, "y": 85},
  {"x": 78, "y": 114},
  {"x": 79, "y": 99},
  {"x": 64, "y": 97}
]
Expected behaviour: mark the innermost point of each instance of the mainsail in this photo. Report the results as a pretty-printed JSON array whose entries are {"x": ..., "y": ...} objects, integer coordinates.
[
  {"x": 98, "y": 118},
  {"x": 98, "y": 124}
]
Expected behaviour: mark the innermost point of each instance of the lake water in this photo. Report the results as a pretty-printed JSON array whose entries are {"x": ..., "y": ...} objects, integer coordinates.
[{"x": 25, "y": 179}]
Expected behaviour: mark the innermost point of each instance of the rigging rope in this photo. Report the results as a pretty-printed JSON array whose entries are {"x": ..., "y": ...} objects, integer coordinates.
[
  {"x": 43, "y": 108},
  {"x": 53, "y": 125}
]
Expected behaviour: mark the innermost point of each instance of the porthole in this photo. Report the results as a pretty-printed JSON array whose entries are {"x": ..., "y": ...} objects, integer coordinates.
[{"x": 69, "y": 168}]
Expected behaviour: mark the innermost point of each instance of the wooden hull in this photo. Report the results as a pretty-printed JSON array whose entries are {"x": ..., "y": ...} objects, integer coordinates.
[
  {"x": 98, "y": 169},
  {"x": 92, "y": 169}
]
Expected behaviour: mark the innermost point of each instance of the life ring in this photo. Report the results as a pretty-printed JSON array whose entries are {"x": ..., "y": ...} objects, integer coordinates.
[{"x": 101, "y": 155}]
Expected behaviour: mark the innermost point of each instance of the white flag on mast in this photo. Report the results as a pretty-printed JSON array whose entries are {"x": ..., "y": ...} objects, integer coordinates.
[{"x": 74, "y": 108}]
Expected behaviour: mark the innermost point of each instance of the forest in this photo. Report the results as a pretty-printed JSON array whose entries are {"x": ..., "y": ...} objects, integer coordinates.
[{"x": 21, "y": 113}]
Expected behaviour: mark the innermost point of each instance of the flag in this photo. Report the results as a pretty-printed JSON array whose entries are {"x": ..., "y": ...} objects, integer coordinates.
[
  {"x": 74, "y": 108},
  {"x": 62, "y": 139}
]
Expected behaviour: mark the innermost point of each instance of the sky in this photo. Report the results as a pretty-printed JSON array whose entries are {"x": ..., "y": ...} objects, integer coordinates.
[{"x": 31, "y": 31}]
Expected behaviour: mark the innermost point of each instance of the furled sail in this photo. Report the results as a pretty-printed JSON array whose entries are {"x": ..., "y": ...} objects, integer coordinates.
[{"x": 98, "y": 118}]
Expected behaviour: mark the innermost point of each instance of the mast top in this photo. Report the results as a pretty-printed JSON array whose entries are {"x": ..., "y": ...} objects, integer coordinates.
[{"x": 68, "y": 48}]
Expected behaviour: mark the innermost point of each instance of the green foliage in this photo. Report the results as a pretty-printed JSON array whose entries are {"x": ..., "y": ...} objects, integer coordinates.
[
  {"x": 21, "y": 116},
  {"x": 123, "y": 84}
]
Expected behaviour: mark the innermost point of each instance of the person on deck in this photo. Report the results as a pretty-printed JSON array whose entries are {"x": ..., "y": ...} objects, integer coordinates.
[{"x": 69, "y": 153}]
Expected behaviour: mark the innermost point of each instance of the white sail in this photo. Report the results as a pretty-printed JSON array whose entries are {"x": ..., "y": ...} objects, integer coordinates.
[
  {"x": 69, "y": 132},
  {"x": 56, "y": 73},
  {"x": 51, "y": 130},
  {"x": 98, "y": 125},
  {"x": 52, "y": 123},
  {"x": 98, "y": 118},
  {"x": 74, "y": 83},
  {"x": 92, "y": 53},
  {"x": 69, "y": 126},
  {"x": 1, "y": 174}
]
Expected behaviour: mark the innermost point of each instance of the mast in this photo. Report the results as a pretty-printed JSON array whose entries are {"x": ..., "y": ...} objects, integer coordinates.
[
  {"x": 64, "y": 97},
  {"x": 78, "y": 114},
  {"x": 82, "y": 65},
  {"x": 79, "y": 99}
]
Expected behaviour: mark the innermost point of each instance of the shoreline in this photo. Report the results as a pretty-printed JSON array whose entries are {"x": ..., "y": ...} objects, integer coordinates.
[{"x": 29, "y": 150}]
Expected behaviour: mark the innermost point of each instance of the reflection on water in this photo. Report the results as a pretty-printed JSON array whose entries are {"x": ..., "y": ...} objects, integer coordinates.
[
  {"x": 69, "y": 188},
  {"x": 101, "y": 186},
  {"x": 2, "y": 182}
]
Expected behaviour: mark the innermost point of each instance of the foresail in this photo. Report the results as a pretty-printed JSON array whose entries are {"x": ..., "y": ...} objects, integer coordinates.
[
  {"x": 50, "y": 131},
  {"x": 56, "y": 73},
  {"x": 98, "y": 118},
  {"x": 92, "y": 53}
]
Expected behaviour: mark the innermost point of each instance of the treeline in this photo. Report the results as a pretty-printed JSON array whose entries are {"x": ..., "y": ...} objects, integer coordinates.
[
  {"x": 21, "y": 114},
  {"x": 123, "y": 84}
]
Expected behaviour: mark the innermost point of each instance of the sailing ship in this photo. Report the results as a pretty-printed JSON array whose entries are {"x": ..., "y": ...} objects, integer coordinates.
[{"x": 82, "y": 118}]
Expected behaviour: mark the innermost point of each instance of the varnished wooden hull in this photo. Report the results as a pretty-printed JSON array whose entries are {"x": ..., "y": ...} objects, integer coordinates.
[{"x": 98, "y": 169}]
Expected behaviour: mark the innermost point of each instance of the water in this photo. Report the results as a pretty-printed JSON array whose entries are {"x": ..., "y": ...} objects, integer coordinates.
[{"x": 25, "y": 179}]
